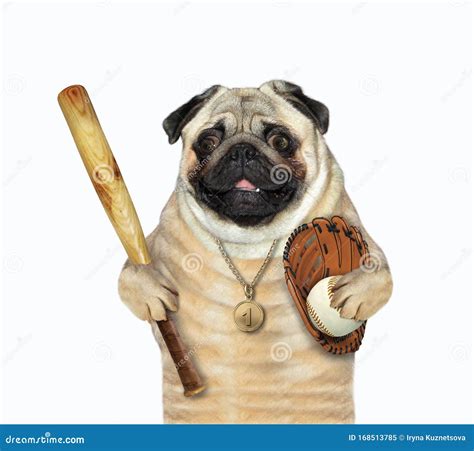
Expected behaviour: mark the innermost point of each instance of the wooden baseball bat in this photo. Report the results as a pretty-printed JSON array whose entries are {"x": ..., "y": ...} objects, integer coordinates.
[{"x": 112, "y": 191}]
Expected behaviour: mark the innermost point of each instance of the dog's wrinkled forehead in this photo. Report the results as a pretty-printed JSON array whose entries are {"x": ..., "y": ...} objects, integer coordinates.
[{"x": 242, "y": 109}]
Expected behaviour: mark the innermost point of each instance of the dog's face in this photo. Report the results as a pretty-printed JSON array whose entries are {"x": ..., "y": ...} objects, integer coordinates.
[{"x": 247, "y": 152}]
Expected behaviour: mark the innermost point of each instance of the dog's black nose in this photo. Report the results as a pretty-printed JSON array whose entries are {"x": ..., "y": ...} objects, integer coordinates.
[{"x": 242, "y": 152}]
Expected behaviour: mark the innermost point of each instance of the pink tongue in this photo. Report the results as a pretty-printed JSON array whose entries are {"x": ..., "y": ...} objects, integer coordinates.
[{"x": 245, "y": 184}]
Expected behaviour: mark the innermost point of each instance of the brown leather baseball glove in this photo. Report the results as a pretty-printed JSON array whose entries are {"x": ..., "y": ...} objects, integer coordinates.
[{"x": 314, "y": 251}]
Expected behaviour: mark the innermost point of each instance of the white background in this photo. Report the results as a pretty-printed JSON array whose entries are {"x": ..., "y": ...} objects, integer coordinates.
[{"x": 397, "y": 80}]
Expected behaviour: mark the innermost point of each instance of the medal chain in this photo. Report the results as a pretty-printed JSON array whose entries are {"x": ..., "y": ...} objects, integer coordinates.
[{"x": 248, "y": 287}]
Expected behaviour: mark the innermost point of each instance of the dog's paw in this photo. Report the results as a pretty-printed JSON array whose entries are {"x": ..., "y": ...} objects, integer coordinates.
[
  {"x": 358, "y": 294},
  {"x": 144, "y": 294}
]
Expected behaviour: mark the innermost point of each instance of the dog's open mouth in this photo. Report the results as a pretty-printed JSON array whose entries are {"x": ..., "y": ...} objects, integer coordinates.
[
  {"x": 246, "y": 185},
  {"x": 245, "y": 202}
]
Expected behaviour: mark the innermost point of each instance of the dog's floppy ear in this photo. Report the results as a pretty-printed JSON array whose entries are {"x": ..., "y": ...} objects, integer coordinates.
[
  {"x": 315, "y": 110},
  {"x": 176, "y": 121}
]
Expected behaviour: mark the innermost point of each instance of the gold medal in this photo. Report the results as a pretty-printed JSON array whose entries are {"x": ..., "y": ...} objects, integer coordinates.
[{"x": 248, "y": 316}]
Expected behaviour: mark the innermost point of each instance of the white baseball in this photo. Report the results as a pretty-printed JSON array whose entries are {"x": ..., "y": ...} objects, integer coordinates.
[{"x": 322, "y": 315}]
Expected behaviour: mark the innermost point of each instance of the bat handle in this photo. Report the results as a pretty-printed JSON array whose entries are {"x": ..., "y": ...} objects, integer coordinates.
[{"x": 190, "y": 378}]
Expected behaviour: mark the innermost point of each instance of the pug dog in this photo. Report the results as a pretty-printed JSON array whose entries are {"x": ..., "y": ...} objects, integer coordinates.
[{"x": 254, "y": 166}]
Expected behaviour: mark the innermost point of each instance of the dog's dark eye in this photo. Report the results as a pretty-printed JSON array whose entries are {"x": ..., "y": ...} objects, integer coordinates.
[
  {"x": 279, "y": 142},
  {"x": 209, "y": 143}
]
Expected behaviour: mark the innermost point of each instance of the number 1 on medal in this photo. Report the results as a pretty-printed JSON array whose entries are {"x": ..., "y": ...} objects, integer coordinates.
[{"x": 248, "y": 314}]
